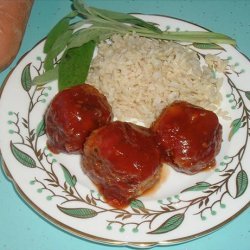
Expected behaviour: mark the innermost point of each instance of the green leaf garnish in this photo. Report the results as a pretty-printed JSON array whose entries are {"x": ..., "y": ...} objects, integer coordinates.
[
  {"x": 74, "y": 66},
  {"x": 93, "y": 25},
  {"x": 59, "y": 45},
  {"x": 46, "y": 77},
  {"x": 61, "y": 27},
  {"x": 125, "y": 18},
  {"x": 86, "y": 35},
  {"x": 208, "y": 46}
]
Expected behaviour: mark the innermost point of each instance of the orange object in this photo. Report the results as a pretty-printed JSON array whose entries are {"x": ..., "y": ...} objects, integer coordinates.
[{"x": 14, "y": 15}]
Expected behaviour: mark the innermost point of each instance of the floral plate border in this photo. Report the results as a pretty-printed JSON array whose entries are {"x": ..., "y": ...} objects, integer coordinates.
[{"x": 156, "y": 221}]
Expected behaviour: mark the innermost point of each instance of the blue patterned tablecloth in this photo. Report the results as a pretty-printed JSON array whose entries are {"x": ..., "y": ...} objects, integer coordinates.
[{"x": 23, "y": 229}]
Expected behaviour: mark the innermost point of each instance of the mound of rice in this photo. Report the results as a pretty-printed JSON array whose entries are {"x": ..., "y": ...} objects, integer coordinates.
[{"x": 140, "y": 76}]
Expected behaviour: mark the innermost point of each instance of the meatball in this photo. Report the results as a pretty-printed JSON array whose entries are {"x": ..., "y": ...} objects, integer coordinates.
[
  {"x": 72, "y": 115},
  {"x": 189, "y": 136},
  {"x": 123, "y": 160}
]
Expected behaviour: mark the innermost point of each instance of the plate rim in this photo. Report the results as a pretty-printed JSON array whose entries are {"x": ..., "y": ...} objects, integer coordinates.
[
  {"x": 98, "y": 239},
  {"x": 91, "y": 237}
]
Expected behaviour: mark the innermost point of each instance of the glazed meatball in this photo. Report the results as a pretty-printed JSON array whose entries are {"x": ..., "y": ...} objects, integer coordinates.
[
  {"x": 72, "y": 115},
  {"x": 190, "y": 137},
  {"x": 123, "y": 160}
]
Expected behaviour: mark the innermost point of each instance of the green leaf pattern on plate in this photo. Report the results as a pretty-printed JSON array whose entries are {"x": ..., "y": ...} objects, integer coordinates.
[
  {"x": 241, "y": 183},
  {"x": 83, "y": 213},
  {"x": 26, "y": 78},
  {"x": 71, "y": 180},
  {"x": 40, "y": 130},
  {"x": 235, "y": 126},
  {"x": 200, "y": 186},
  {"x": 174, "y": 209},
  {"x": 22, "y": 157},
  {"x": 170, "y": 224}
]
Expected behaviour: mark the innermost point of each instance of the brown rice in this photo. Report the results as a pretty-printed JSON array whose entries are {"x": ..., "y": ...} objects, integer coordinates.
[{"x": 140, "y": 76}]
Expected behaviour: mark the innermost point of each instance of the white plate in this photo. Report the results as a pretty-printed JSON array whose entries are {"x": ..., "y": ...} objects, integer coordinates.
[{"x": 182, "y": 208}]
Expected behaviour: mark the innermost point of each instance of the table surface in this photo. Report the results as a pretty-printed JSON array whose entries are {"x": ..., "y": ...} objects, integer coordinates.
[{"x": 21, "y": 227}]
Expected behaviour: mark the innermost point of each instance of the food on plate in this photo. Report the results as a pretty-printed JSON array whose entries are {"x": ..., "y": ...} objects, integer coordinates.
[
  {"x": 14, "y": 15},
  {"x": 189, "y": 136},
  {"x": 123, "y": 160},
  {"x": 140, "y": 76},
  {"x": 142, "y": 72},
  {"x": 72, "y": 115},
  {"x": 72, "y": 33}
]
